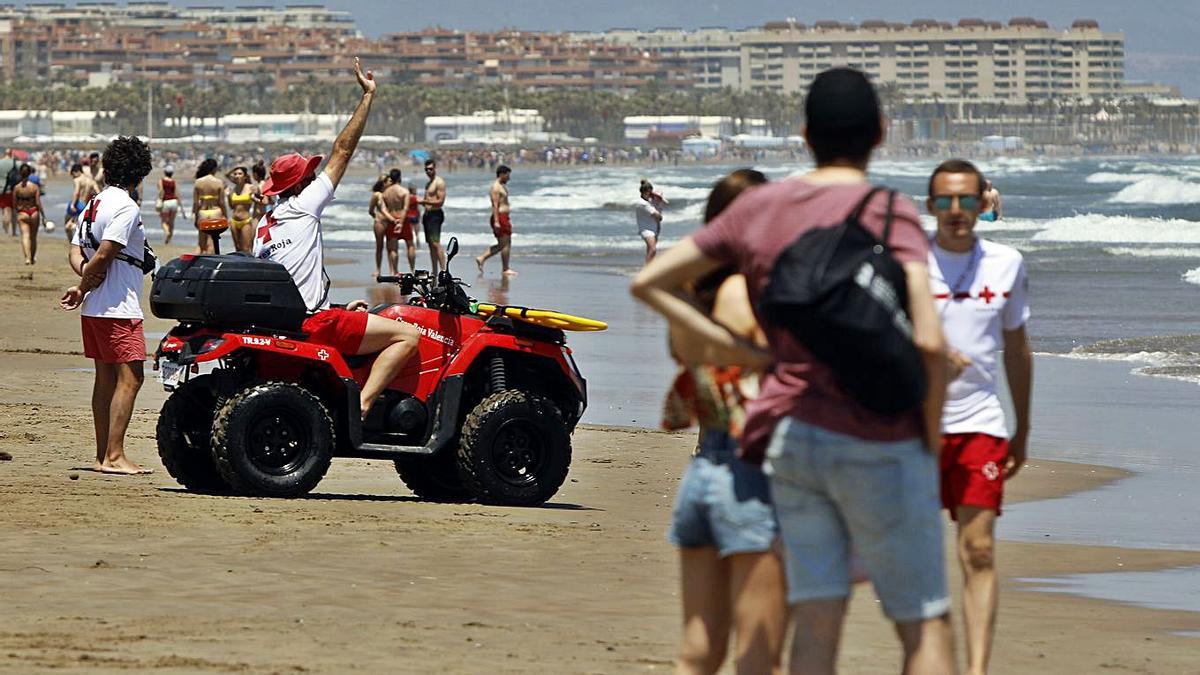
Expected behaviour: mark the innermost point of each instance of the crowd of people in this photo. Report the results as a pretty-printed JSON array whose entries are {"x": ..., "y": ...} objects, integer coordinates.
[
  {"x": 822, "y": 460},
  {"x": 844, "y": 396}
]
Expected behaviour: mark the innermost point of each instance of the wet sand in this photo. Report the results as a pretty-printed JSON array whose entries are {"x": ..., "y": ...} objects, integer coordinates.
[{"x": 102, "y": 573}]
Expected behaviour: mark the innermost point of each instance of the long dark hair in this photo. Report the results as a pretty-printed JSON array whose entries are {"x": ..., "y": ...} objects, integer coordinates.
[
  {"x": 723, "y": 193},
  {"x": 206, "y": 167},
  {"x": 378, "y": 186}
]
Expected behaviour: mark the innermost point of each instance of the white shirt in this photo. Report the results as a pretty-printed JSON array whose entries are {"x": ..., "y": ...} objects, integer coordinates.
[
  {"x": 291, "y": 236},
  {"x": 979, "y": 295},
  {"x": 647, "y": 216},
  {"x": 113, "y": 216}
]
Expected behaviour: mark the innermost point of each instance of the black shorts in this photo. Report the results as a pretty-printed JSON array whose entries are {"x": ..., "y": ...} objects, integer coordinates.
[{"x": 432, "y": 222}]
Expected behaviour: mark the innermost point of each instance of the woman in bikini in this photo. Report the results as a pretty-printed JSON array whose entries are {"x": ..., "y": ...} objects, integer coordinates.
[
  {"x": 261, "y": 204},
  {"x": 241, "y": 206},
  {"x": 381, "y": 224},
  {"x": 168, "y": 202},
  {"x": 27, "y": 204},
  {"x": 208, "y": 201}
]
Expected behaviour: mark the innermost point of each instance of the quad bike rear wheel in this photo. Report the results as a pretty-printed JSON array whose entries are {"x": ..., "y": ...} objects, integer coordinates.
[
  {"x": 273, "y": 439},
  {"x": 184, "y": 435},
  {"x": 515, "y": 449},
  {"x": 434, "y": 478}
]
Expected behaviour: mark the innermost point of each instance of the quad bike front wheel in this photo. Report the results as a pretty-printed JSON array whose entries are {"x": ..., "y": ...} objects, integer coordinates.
[
  {"x": 515, "y": 449},
  {"x": 184, "y": 435},
  {"x": 273, "y": 439}
]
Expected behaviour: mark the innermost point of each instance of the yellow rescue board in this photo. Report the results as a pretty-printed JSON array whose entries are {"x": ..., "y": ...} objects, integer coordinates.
[{"x": 544, "y": 317}]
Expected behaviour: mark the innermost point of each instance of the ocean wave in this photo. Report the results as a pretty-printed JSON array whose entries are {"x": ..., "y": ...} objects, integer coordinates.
[
  {"x": 565, "y": 242},
  {"x": 1159, "y": 190},
  {"x": 1154, "y": 252},
  {"x": 1192, "y": 276},
  {"x": 1105, "y": 177},
  {"x": 1120, "y": 230},
  {"x": 1175, "y": 357}
]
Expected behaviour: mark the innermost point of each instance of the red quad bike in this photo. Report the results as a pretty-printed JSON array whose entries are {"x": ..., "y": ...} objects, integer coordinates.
[{"x": 484, "y": 411}]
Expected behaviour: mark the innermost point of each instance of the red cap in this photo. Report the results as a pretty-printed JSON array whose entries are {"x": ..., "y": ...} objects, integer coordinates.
[{"x": 287, "y": 170}]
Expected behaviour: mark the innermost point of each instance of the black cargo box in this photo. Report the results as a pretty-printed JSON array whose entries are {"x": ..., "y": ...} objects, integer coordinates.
[{"x": 227, "y": 290}]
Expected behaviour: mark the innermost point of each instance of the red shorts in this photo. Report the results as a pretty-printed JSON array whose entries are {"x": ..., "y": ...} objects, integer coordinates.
[
  {"x": 972, "y": 470},
  {"x": 401, "y": 229},
  {"x": 341, "y": 329},
  {"x": 504, "y": 228},
  {"x": 113, "y": 340},
  {"x": 6, "y": 200}
]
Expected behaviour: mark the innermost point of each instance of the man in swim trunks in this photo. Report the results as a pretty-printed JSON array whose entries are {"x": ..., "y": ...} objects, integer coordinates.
[
  {"x": 96, "y": 169},
  {"x": 980, "y": 293},
  {"x": 84, "y": 189},
  {"x": 992, "y": 209},
  {"x": 394, "y": 207},
  {"x": 435, "y": 199},
  {"x": 291, "y": 236},
  {"x": 501, "y": 222}
]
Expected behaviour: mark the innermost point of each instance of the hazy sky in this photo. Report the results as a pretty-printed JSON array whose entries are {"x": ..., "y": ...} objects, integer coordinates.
[{"x": 1162, "y": 36}]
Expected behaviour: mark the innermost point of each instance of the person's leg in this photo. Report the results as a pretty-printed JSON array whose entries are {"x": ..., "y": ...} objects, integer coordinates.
[
  {"x": 379, "y": 232},
  {"x": 977, "y": 555},
  {"x": 410, "y": 249},
  {"x": 28, "y": 237},
  {"x": 817, "y": 636},
  {"x": 506, "y": 255},
  {"x": 492, "y": 250},
  {"x": 102, "y": 395},
  {"x": 129, "y": 378},
  {"x": 757, "y": 590},
  {"x": 705, "y": 578},
  {"x": 393, "y": 255},
  {"x": 395, "y": 342},
  {"x": 651, "y": 245},
  {"x": 928, "y": 646}
]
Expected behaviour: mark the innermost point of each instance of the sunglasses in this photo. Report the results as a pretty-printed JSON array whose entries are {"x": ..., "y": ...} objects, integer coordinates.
[{"x": 965, "y": 202}]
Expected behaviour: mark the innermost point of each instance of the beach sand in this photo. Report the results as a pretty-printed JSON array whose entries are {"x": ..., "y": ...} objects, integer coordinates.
[{"x": 103, "y": 573}]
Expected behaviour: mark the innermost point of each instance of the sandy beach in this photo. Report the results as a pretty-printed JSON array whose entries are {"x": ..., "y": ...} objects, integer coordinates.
[{"x": 103, "y": 574}]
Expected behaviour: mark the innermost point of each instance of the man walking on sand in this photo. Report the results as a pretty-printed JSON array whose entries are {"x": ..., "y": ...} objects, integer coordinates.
[
  {"x": 501, "y": 222},
  {"x": 107, "y": 255},
  {"x": 840, "y": 472},
  {"x": 394, "y": 207},
  {"x": 980, "y": 291},
  {"x": 435, "y": 216}
]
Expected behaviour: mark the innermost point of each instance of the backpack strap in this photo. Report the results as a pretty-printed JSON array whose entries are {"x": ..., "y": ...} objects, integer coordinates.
[
  {"x": 862, "y": 205},
  {"x": 887, "y": 221}
]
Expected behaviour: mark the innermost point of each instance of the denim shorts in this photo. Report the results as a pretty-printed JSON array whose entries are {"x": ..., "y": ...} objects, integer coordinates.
[
  {"x": 833, "y": 490},
  {"x": 723, "y": 502}
]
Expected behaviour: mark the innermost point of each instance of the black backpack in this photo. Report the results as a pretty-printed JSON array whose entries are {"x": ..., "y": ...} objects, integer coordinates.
[{"x": 843, "y": 295}]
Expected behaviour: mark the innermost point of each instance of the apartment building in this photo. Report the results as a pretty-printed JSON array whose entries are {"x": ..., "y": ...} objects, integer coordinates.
[{"x": 1025, "y": 59}]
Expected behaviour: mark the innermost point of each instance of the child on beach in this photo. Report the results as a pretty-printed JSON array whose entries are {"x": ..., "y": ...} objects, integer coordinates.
[{"x": 722, "y": 521}]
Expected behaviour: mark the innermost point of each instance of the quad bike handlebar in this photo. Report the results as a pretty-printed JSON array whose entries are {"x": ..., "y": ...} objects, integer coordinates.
[{"x": 443, "y": 293}]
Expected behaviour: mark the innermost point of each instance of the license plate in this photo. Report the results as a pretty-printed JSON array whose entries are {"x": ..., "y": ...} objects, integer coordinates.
[{"x": 171, "y": 374}]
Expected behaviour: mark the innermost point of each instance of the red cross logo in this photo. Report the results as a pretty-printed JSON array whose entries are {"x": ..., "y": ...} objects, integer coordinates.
[
  {"x": 89, "y": 215},
  {"x": 264, "y": 231},
  {"x": 986, "y": 295}
]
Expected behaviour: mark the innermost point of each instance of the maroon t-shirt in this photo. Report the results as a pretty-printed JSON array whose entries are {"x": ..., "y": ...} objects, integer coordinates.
[{"x": 751, "y": 234}]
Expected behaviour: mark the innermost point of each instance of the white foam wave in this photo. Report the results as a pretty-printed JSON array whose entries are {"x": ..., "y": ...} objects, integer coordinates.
[
  {"x": 1159, "y": 190},
  {"x": 1154, "y": 252},
  {"x": 539, "y": 241},
  {"x": 1105, "y": 177},
  {"x": 1120, "y": 230},
  {"x": 1192, "y": 276}
]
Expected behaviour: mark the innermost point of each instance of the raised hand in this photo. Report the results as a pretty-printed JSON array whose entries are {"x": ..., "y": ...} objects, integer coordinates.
[{"x": 365, "y": 80}]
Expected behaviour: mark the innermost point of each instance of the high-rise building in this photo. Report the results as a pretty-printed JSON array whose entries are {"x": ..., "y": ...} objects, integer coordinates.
[{"x": 1025, "y": 59}]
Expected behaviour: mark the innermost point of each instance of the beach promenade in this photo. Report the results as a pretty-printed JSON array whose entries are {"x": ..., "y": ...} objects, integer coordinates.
[{"x": 362, "y": 576}]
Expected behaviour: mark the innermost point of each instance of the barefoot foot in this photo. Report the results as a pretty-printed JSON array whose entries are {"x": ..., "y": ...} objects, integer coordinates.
[
  {"x": 479, "y": 263},
  {"x": 510, "y": 273},
  {"x": 123, "y": 467}
]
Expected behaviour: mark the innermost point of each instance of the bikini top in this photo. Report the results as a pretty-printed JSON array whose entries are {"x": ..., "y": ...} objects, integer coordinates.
[{"x": 241, "y": 199}]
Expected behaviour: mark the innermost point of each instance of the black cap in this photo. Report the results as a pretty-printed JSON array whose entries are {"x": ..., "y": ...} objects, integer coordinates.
[{"x": 841, "y": 99}]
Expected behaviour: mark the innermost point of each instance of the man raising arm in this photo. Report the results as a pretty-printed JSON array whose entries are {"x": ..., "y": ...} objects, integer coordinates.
[{"x": 291, "y": 236}]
